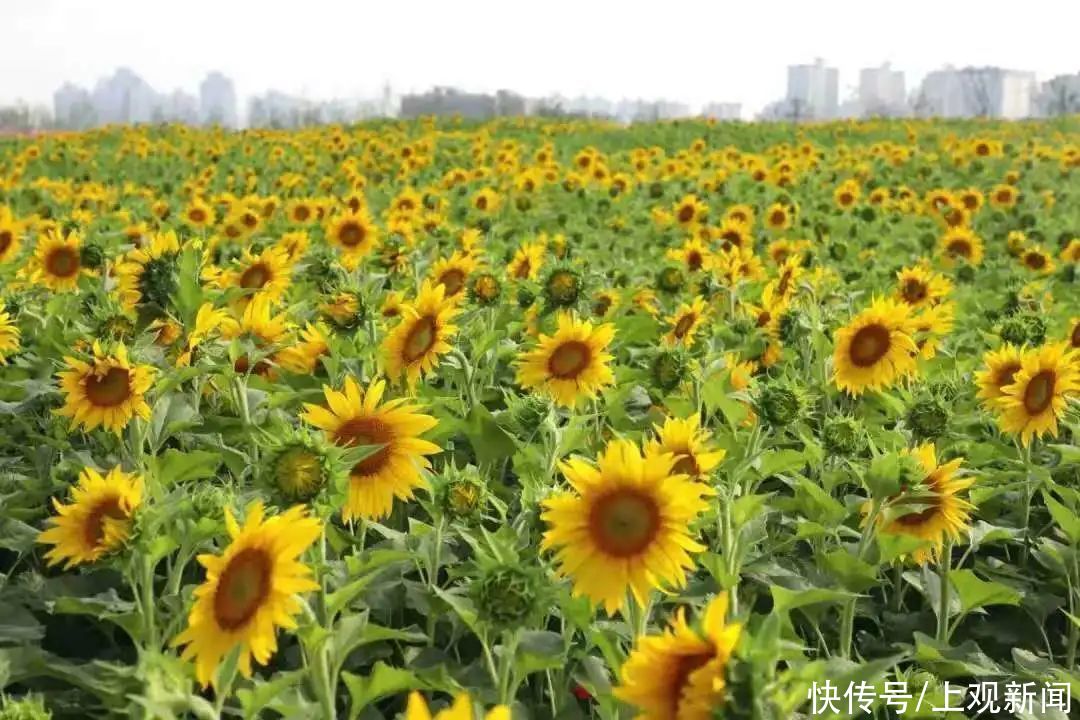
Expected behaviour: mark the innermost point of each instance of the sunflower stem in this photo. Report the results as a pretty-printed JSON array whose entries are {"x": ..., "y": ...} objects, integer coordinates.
[
  {"x": 1025, "y": 455},
  {"x": 847, "y": 619},
  {"x": 146, "y": 583},
  {"x": 944, "y": 568}
]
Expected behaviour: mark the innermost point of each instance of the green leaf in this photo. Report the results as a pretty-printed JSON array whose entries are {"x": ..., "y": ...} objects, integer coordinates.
[
  {"x": 539, "y": 650},
  {"x": 777, "y": 462},
  {"x": 854, "y": 574},
  {"x": 1065, "y": 518},
  {"x": 18, "y": 625},
  {"x": 255, "y": 699},
  {"x": 174, "y": 466},
  {"x": 383, "y": 680},
  {"x": 818, "y": 505},
  {"x": 785, "y": 599},
  {"x": 489, "y": 440},
  {"x": 975, "y": 593},
  {"x": 965, "y": 660},
  {"x": 747, "y": 507}
]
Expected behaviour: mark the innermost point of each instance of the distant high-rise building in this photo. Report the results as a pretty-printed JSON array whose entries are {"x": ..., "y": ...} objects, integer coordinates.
[
  {"x": 722, "y": 111},
  {"x": 124, "y": 98},
  {"x": 977, "y": 92},
  {"x": 882, "y": 91},
  {"x": 1059, "y": 96},
  {"x": 813, "y": 90},
  {"x": 73, "y": 108},
  {"x": 217, "y": 101},
  {"x": 180, "y": 107}
]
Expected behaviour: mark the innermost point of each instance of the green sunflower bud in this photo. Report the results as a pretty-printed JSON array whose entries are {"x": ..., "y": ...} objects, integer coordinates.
[
  {"x": 928, "y": 418},
  {"x": 528, "y": 412},
  {"x": 485, "y": 289},
  {"x": 838, "y": 251},
  {"x": 506, "y": 595},
  {"x": 669, "y": 369},
  {"x": 462, "y": 493},
  {"x": 670, "y": 279},
  {"x": 91, "y": 256},
  {"x": 780, "y": 404},
  {"x": 525, "y": 297},
  {"x": 844, "y": 435},
  {"x": 158, "y": 281},
  {"x": 116, "y": 327},
  {"x": 563, "y": 287}
]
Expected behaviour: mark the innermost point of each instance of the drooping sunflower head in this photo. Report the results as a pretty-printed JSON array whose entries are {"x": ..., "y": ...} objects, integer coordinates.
[
  {"x": 682, "y": 672},
  {"x": 1038, "y": 396},
  {"x": 249, "y": 590},
  {"x": 344, "y": 309},
  {"x": 390, "y": 435},
  {"x": 572, "y": 364},
  {"x": 148, "y": 275},
  {"x": 97, "y": 521},
  {"x": 875, "y": 349},
  {"x": 413, "y": 348},
  {"x": 689, "y": 443},
  {"x": 526, "y": 262},
  {"x": 303, "y": 355},
  {"x": 686, "y": 322},
  {"x": 931, "y": 510},
  {"x": 485, "y": 289},
  {"x": 107, "y": 390},
  {"x": 625, "y": 526}
]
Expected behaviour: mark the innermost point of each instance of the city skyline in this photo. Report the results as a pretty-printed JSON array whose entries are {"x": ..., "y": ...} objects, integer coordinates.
[{"x": 695, "y": 53}]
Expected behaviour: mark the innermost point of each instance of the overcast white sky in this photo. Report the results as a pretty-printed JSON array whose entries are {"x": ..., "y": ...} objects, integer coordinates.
[{"x": 688, "y": 50}]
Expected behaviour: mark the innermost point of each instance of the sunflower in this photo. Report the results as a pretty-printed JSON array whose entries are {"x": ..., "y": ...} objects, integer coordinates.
[
  {"x": 1071, "y": 253},
  {"x": 1074, "y": 334},
  {"x": 741, "y": 215},
  {"x": 57, "y": 262},
  {"x": 782, "y": 250},
  {"x": 734, "y": 235},
  {"x": 486, "y": 200},
  {"x": 10, "y": 236},
  {"x": 784, "y": 286},
  {"x": 258, "y": 324},
  {"x": 107, "y": 391},
  {"x": 940, "y": 513},
  {"x": 846, "y": 194},
  {"x": 264, "y": 275},
  {"x": 917, "y": 286},
  {"x": 303, "y": 357},
  {"x": 97, "y": 521},
  {"x": 413, "y": 347},
  {"x": 693, "y": 254},
  {"x": 685, "y": 323},
  {"x": 355, "y": 233},
  {"x": 604, "y": 301},
  {"x": 1038, "y": 396},
  {"x": 570, "y": 365},
  {"x": 250, "y": 590},
  {"x": 1004, "y": 196},
  {"x": 301, "y": 211},
  {"x": 625, "y": 525},
  {"x": 525, "y": 265},
  {"x": 875, "y": 349},
  {"x": 778, "y": 217},
  {"x": 392, "y": 304},
  {"x": 198, "y": 214},
  {"x": 452, "y": 272},
  {"x": 356, "y": 418},
  {"x": 689, "y": 443},
  {"x": 690, "y": 211},
  {"x": 681, "y": 674},
  {"x": 1036, "y": 259},
  {"x": 295, "y": 244},
  {"x": 147, "y": 274},
  {"x": 207, "y": 321},
  {"x": 930, "y": 325},
  {"x": 9, "y": 336},
  {"x": 962, "y": 243},
  {"x": 1001, "y": 366},
  {"x": 462, "y": 709},
  {"x": 645, "y": 300}
]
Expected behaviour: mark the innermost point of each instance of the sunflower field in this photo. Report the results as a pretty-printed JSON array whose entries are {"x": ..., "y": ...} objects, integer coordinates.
[{"x": 541, "y": 419}]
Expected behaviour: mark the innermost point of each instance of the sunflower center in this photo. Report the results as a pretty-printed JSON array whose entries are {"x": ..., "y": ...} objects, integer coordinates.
[
  {"x": 683, "y": 326},
  {"x": 1074, "y": 337},
  {"x": 569, "y": 360},
  {"x": 249, "y": 220},
  {"x": 686, "y": 665},
  {"x": 367, "y": 431},
  {"x": 110, "y": 389},
  {"x": 1004, "y": 196},
  {"x": 421, "y": 339},
  {"x": 686, "y": 465},
  {"x": 1039, "y": 393},
  {"x": 62, "y": 262},
  {"x": 603, "y": 304},
  {"x": 686, "y": 213},
  {"x": 914, "y": 291},
  {"x": 777, "y": 218},
  {"x": 255, "y": 277},
  {"x": 302, "y": 213},
  {"x": 731, "y": 239},
  {"x": 960, "y": 247},
  {"x": 453, "y": 280},
  {"x": 1035, "y": 261},
  {"x": 197, "y": 215},
  {"x": 6, "y": 238},
  {"x": 869, "y": 345},
  {"x": 693, "y": 260},
  {"x": 482, "y": 202},
  {"x": 242, "y": 588},
  {"x": 94, "y": 529},
  {"x": 846, "y": 198},
  {"x": 299, "y": 473},
  {"x": 1006, "y": 374},
  {"x": 351, "y": 234},
  {"x": 624, "y": 522}
]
